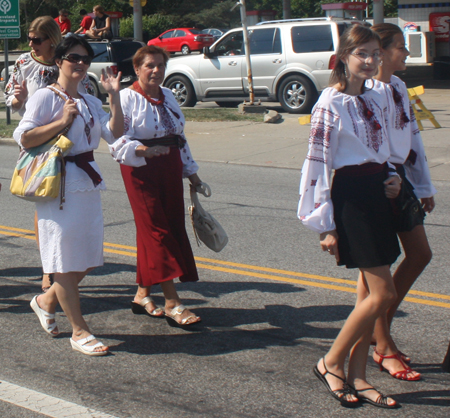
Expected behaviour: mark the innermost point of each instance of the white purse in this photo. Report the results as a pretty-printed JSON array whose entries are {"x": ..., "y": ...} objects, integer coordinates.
[{"x": 206, "y": 228}]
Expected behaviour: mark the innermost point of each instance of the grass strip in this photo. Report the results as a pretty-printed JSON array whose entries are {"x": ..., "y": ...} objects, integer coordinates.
[{"x": 6, "y": 131}]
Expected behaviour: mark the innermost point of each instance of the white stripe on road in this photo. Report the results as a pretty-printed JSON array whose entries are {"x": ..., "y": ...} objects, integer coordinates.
[{"x": 44, "y": 404}]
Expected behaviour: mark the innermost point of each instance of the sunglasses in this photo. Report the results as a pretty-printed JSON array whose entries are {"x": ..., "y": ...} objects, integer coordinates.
[
  {"x": 36, "y": 41},
  {"x": 76, "y": 58}
]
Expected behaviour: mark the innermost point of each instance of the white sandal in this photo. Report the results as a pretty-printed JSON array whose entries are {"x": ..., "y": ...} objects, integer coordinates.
[
  {"x": 44, "y": 316},
  {"x": 80, "y": 345},
  {"x": 178, "y": 310},
  {"x": 139, "y": 308}
]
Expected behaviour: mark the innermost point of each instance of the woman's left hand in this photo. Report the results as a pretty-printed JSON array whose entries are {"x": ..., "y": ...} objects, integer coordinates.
[
  {"x": 109, "y": 82},
  {"x": 392, "y": 187}
]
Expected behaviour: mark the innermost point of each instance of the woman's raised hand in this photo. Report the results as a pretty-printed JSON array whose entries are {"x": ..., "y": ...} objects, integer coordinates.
[
  {"x": 109, "y": 82},
  {"x": 20, "y": 91}
]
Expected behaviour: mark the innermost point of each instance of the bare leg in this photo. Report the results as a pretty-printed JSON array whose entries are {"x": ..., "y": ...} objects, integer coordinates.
[
  {"x": 359, "y": 353},
  {"x": 65, "y": 290},
  {"x": 381, "y": 296},
  {"x": 417, "y": 256},
  {"x": 173, "y": 300},
  {"x": 46, "y": 281}
]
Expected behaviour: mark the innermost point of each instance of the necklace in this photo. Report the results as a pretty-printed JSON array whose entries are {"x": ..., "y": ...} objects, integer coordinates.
[
  {"x": 137, "y": 87},
  {"x": 87, "y": 124}
]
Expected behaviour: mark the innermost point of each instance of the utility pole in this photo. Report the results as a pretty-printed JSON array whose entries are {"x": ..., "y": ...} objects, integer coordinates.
[
  {"x": 137, "y": 19},
  {"x": 286, "y": 9},
  {"x": 378, "y": 11}
]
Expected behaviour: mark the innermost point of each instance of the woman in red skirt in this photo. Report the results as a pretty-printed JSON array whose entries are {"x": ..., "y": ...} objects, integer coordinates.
[{"x": 154, "y": 186}]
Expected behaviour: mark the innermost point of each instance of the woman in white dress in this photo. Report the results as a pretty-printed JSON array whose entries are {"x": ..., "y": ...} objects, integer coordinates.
[
  {"x": 34, "y": 70},
  {"x": 408, "y": 155},
  {"x": 72, "y": 239},
  {"x": 353, "y": 214}
]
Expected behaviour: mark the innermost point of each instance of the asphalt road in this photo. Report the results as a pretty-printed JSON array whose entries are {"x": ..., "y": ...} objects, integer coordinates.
[{"x": 271, "y": 304}]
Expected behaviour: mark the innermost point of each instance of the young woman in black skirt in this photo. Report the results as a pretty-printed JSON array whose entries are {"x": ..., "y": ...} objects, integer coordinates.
[
  {"x": 353, "y": 215},
  {"x": 408, "y": 154}
]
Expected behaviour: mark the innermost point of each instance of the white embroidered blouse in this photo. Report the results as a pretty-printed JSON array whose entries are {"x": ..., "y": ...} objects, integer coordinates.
[
  {"x": 144, "y": 120},
  {"x": 404, "y": 136},
  {"x": 38, "y": 74},
  {"x": 45, "y": 107},
  {"x": 345, "y": 130}
]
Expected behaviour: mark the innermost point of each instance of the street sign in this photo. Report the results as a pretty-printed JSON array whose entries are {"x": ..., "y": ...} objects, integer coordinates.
[{"x": 9, "y": 19}]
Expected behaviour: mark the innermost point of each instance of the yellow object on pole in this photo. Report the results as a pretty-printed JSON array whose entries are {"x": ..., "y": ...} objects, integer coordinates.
[{"x": 143, "y": 3}]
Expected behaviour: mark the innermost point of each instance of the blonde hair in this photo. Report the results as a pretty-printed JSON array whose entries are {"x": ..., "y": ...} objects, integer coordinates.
[
  {"x": 99, "y": 9},
  {"x": 48, "y": 27}
]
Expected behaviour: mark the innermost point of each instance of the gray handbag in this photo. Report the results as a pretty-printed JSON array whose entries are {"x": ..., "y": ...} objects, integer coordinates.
[{"x": 206, "y": 228}]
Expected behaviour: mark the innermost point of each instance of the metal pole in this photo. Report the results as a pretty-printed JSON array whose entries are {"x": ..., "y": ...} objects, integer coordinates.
[
  {"x": 378, "y": 11},
  {"x": 137, "y": 19},
  {"x": 286, "y": 9},
  {"x": 8, "y": 112},
  {"x": 247, "y": 51}
]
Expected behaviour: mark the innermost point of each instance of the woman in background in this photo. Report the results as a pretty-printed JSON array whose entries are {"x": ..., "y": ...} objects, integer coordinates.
[
  {"x": 32, "y": 71},
  {"x": 408, "y": 155}
]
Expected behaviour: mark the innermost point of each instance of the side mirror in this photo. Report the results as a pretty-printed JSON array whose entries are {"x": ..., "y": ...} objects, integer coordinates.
[
  {"x": 207, "y": 52},
  {"x": 160, "y": 38}
]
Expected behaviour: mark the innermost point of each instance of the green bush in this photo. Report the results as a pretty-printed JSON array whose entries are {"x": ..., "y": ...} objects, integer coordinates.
[{"x": 152, "y": 26}]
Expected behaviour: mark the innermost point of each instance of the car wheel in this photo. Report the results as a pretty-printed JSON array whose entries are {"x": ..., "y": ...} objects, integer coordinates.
[
  {"x": 185, "y": 50},
  {"x": 228, "y": 104},
  {"x": 183, "y": 90},
  {"x": 297, "y": 94}
]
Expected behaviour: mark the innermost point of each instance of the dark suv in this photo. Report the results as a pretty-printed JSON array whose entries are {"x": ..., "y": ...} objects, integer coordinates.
[{"x": 117, "y": 54}]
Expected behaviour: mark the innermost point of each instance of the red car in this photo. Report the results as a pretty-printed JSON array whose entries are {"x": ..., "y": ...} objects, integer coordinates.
[{"x": 182, "y": 40}]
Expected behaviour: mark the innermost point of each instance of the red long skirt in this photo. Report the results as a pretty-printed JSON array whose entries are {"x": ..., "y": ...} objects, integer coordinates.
[{"x": 155, "y": 192}]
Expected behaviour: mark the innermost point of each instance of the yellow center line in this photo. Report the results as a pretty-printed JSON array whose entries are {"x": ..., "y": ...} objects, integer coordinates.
[{"x": 257, "y": 271}]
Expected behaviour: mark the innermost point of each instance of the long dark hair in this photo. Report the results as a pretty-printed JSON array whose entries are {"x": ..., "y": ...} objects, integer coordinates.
[{"x": 351, "y": 39}]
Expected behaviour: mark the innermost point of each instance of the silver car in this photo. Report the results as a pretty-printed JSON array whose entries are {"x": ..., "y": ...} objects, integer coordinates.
[{"x": 291, "y": 63}]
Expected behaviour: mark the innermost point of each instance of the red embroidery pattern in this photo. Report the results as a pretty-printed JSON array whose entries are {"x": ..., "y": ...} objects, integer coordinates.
[
  {"x": 371, "y": 123},
  {"x": 313, "y": 182},
  {"x": 401, "y": 119}
]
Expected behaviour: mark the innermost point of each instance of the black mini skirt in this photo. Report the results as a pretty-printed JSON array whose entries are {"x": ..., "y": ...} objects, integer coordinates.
[{"x": 364, "y": 217}]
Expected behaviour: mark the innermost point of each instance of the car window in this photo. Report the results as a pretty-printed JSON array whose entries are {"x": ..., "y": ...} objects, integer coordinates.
[
  {"x": 232, "y": 44},
  {"x": 215, "y": 32},
  {"x": 195, "y": 31},
  {"x": 205, "y": 31},
  {"x": 312, "y": 38},
  {"x": 124, "y": 50},
  {"x": 265, "y": 41},
  {"x": 168, "y": 34},
  {"x": 100, "y": 52},
  {"x": 179, "y": 33}
]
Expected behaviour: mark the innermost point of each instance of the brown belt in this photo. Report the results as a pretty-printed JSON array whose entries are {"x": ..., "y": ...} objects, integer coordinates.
[
  {"x": 168, "y": 141},
  {"x": 82, "y": 161}
]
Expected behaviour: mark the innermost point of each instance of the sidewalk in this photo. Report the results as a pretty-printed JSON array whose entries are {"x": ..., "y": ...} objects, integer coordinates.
[{"x": 285, "y": 144}]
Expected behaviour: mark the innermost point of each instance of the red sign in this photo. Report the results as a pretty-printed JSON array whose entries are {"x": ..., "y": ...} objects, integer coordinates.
[{"x": 439, "y": 24}]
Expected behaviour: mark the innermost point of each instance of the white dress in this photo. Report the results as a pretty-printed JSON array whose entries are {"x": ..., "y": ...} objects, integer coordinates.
[
  {"x": 345, "y": 131},
  {"x": 144, "y": 120},
  {"x": 38, "y": 74},
  {"x": 404, "y": 136},
  {"x": 71, "y": 239}
]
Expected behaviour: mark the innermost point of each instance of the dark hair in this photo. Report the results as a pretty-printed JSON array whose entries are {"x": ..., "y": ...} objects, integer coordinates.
[
  {"x": 64, "y": 12},
  {"x": 351, "y": 39},
  {"x": 142, "y": 53},
  {"x": 386, "y": 32},
  {"x": 70, "y": 42},
  {"x": 83, "y": 12}
]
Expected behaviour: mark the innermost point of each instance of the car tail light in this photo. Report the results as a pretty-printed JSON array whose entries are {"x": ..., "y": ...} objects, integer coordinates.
[
  {"x": 332, "y": 62},
  {"x": 114, "y": 69},
  {"x": 203, "y": 38}
]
